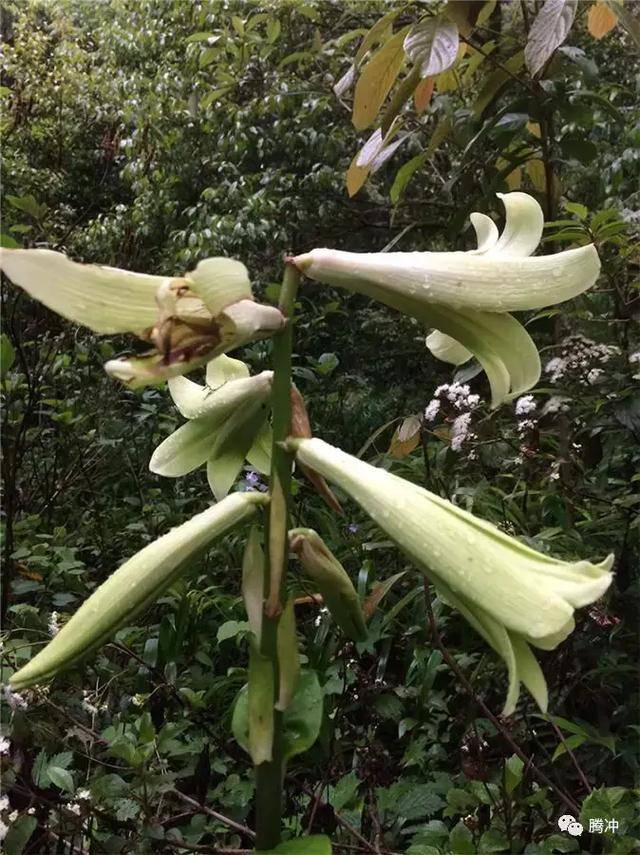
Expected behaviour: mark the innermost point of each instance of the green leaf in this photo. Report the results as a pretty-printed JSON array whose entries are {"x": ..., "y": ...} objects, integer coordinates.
[
  {"x": 461, "y": 840},
  {"x": 303, "y": 717},
  {"x": 404, "y": 175},
  {"x": 301, "y": 720},
  {"x": 317, "y": 844},
  {"x": 19, "y": 834},
  {"x": 39, "y": 770},
  {"x": 126, "y": 809},
  {"x": 231, "y": 629},
  {"x": 202, "y": 37},
  {"x": 493, "y": 841},
  {"x": 28, "y": 204},
  {"x": 61, "y": 778},
  {"x": 513, "y": 772},
  {"x": 8, "y": 242}
]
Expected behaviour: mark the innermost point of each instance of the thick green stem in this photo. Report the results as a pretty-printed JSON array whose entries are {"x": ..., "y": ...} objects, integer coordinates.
[{"x": 269, "y": 776}]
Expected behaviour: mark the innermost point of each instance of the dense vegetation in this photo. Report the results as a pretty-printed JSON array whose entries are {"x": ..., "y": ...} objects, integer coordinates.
[{"x": 152, "y": 135}]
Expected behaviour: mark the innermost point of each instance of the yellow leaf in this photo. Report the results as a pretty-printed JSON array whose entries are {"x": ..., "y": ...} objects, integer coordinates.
[
  {"x": 513, "y": 179},
  {"x": 406, "y": 438},
  {"x": 356, "y": 176},
  {"x": 534, "y": 128},
  {"x": 536, "y": 173},
  {"x": 376, "y": 80},
  {"x": 600, "y": 20},
  {"x": 447, "y": 81},
  {"x": 422, "y": 94}
]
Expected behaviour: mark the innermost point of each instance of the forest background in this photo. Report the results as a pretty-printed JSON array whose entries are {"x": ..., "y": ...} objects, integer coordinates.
[{"x": 150, "y": 135}]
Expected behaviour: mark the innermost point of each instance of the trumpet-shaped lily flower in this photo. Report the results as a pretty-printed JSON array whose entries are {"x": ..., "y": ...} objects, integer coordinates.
[
  {"x": 227, "y": 423},
  {"x": 468, "y": 295},
  {"x": 511, "y": 594},
  {"x": 188, "y": 320},
  {"x": 134, "y": 586}
]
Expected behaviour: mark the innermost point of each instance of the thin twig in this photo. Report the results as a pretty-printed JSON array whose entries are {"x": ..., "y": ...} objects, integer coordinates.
[
  {"x": 340, "y": 820},
  {"x": 231, "y": 823},
  {"x": 495, "y": 721},
  {"x": 567, "y": 748}
]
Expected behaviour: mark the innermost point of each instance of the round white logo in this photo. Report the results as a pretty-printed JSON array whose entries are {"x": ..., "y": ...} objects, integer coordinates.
[
  {"x": 570, "y": 824},
  {"x": 565, "y": 821}
]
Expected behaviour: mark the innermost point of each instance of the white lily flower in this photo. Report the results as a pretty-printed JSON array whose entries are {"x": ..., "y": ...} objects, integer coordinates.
[
  {"x": 511, "y": 594},
  {"x": 134, "y": 586},
  {"x": 227, "y": 423},
  {"x": 467, "y": 295},
  {"x": 189, "y": 320}
]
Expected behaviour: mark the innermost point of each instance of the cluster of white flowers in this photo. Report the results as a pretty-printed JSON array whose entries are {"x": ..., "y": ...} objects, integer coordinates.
[
  {"x": 525, "y": 405},
  {"x": 54, "y": 626},
  {"x": 460, "y": 431},
  {"x": 578, "y": 357},
  {"x": 5, "y": 745},
  {"x": 88, "y": 705},
  {"x": 556, "y": 404},
  {"x": 74, "y": 807},
  {"x": 15, "y": 700},
  {"x": 459, "y": 401},
  {"x": 83, "y": 794},
  {"x": 4, "y": 829},
  {"x": 634, "y": 359}
]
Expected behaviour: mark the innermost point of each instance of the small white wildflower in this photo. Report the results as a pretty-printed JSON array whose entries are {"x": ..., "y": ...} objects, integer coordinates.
[
  {"x": 634, "y": 357},
  {"x": 556, "y": 368},
  {"x": 594, "y": 376},
  {"x": 54, "y": 627},
  {"x": 554, "y": 476},
  {"x": 556, "y": 404},
  {"x": 526, "y": 425},
  {"x": 4, "y": 829},
  {"x": 83, "y": 794},
  {"x": 5, "y": 745},
  {"x": 525, "y": 405},
  {"x": 13, "y": 816},
  {"x": 460, "y": 431},
  {"x": 431, "y": 410},
  {"x": 15, "y": 700},
  {"x": 4, "y": 803},
  {"x": 31, "y": 811},
  {"x": 74, "y": 807}
]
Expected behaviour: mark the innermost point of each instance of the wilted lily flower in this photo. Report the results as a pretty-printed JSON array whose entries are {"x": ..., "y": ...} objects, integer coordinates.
[
  {"x": 511, "y": 594},
  {"x": 467, "y": 295},
  {"x": 188, "y": 320},
  {"x": 227, "y": 423}
]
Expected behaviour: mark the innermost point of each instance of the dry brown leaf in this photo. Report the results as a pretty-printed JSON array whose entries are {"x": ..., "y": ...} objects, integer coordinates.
[{"x": 601, "y": 19}]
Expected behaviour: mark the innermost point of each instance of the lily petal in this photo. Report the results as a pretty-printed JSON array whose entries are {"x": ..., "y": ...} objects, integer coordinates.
[
  {"x": 447, "y": 349},
  {"x": 105, "y": 299},
  {"x": 245, "y": 321},
  {"x": 223, "y": 368},
  {"x": 522, "y": 589},
  {"x": 219, "y": 282},
  {"x": 523, "y": 228},
  {"x": 487, "y": 233}
]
